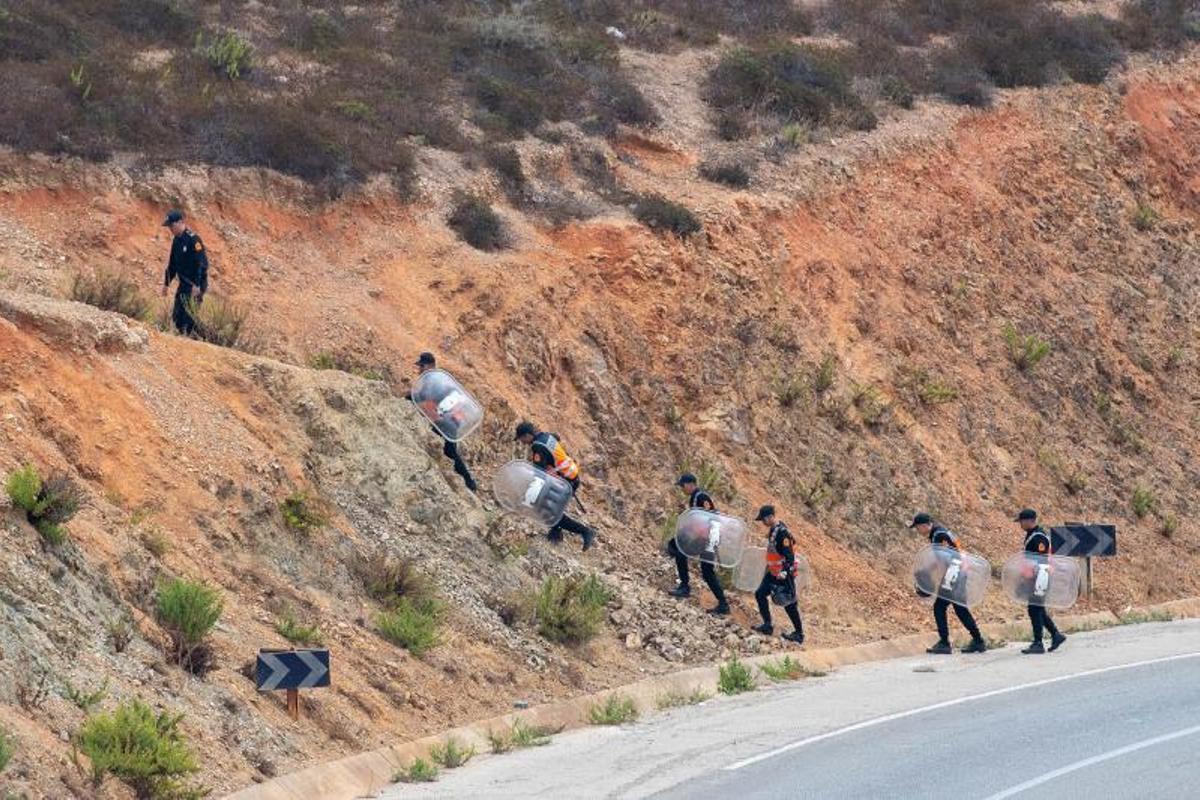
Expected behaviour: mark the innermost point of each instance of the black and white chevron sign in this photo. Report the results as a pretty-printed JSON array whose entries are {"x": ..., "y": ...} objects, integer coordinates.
[
  {"x": 1083, "y": 540},
  {"x": 292, "y": 669}
]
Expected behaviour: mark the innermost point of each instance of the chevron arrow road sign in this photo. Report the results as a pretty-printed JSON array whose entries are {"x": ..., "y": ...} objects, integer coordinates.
[
  {"x": 1082, "y": 540},
  {"x": 292, "y": 669}
]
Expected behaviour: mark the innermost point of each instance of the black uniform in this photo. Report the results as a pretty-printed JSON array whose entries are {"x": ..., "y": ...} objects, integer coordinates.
[
  {"x": 547, "y": 450},
  {"x": 450, "y": 451},
  {"x": 189, "y": 263},
  {"x": 698, "y": 499},
  {"x": 1038, "y": 541},
  {"x": 939, "y": 535},
  {"x": 780, "y": 543}
]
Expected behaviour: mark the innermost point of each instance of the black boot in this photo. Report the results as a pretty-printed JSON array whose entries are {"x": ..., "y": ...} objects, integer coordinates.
[
  {"x": 942, "y": 648},
  {"x": 720, "y": 610},
  {"x": 795, "y": 636},
  {"x": 766, "y": 629},
  {"x": 682, "y": 590},
  {"x": 977, "y": 645},
  {"x": 1057, "y": 640},
  {"x": 1037, "y": 648},
  {"x": 589, "y": 538}
]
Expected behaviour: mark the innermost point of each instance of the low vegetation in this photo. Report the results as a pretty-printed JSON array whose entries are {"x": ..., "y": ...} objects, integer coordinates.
[
  {"x": 48, "y": 505},
  {"x": 1025, "y": 351},
  {"x": 1134, "y": 617},
  {"x": 1143, "y": 501},
  {"x": 473, "y": 219},
  {"x": 1145, "y": 218},
  {"x": 518, "y": 737},
  {"x": 788, "y": 669},
  {"x": 348, "y": 364},
  {"x": 660, "y": 214},
  {"x": 411, "y": 625},
  {"x": 734, "y": 677},
  {"x": 451, "y": 754},
  {"x": 144, "y": 750},
  {"x": 83, "y": 699},
  {"x": 617, "y": 709},
  {"x": 712, "y": 478},
  {"x": 680, "y": 699},
  {"x": 224, "y": 323},
  {"x": 112, "y": 292},
  {"x": 571, "y": 610},
  {"x": 120, "y": 633},
  {"x": 188, "y": 611},
  {"x": 296, "y": 632},
  {"x": 419, "y": 771},
  {"x": 1168, "y": 525},
  {"x": 302, "y": 513},
  {"x": 8, "y": 748},
  {"x": 730, "y": 173}
]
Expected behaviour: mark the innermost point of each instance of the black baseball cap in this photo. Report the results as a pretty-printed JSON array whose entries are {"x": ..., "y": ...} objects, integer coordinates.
[
  {"x": 526, "y": 429},
  {"x": 764, "y": 512},
  {"x": 173, "y": 216},
  {"x": 426, "y": 359},
  {"x": 686, "y": 477},
  {"x": 1026, "y": 513},
  {"x": 921, "y": 519}
]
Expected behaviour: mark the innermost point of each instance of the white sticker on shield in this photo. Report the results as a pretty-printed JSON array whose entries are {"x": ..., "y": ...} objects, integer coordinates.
[
  {"x": 450, "y": 408},
  {"x": 522, "y": 488},
  {"x": 1040, "y": 580},
  {"x": 711, "y": 537},
  {"x": 943, "y": 572}
]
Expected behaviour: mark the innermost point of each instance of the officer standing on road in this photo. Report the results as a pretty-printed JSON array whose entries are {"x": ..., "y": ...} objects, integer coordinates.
[
  {"x": 189, "y": 263},
  {"x": 696, "y": 498},
  {"x": 779, "y": 581},
  {"x": 426, "y": 362},
  {"x": 924, "y": 524},
  {"x": 1038, "y": 541},
  {"x": 548, "y": 454}
]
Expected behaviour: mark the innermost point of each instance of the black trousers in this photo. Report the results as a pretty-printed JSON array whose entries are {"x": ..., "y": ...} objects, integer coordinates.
[
  {"x": 763, "y": 592},
  {"x": 450, "y": 450},
  {"x": 567, "y": 523},
  {"x": 1040, "y": 618},
  {"x": 964, "y": 616},
  {"x": 707, "y": 571},
  {"x": 181, "y": 315}
]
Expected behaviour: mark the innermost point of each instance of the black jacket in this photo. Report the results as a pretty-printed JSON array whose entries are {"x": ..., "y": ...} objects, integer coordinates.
[
  {"x": 701, "y": 499},
  {"x": 188, "y": 262},
  {"x": 1037, "y": 541},
  {"x": 942, "y": 536}
]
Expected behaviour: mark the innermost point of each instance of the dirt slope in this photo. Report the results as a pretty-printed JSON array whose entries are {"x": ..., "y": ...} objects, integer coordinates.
[{"x": 902, "y": 254}]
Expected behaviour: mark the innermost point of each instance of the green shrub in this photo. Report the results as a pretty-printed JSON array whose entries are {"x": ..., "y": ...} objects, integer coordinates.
[
  {"x": 898, "y": 91},
  {"x": 1146, "y": 24},
  {"x": 660, "y": 214},
  {"x": 144, "y": 750},
  {"x": 1142, "y": 502},
  {"x": 48, "y": 505},
  {"x": 8, "y": 748},
  {"x": 419, "y": 771},
  {"x": 570, "y": 610},
  {"x": 794, "y": 135},
  {"x": 228, "y": 53},
  {"x": 617, "y": 709},
  {"x": 411, "y": 625},
  {"x": 1133, "y": 617},
  {"x": 712, "y": 478},
  {"x": 825, "y": 374},
  {"x": 189, "y": 610},
  {"x": 734, "y": 677},
  {"x": 505, "y": 161},
  {"x": 1144, "y": 217},
  {"x": 223, "y": 323},
  {"x": 788, "y": 669},
  {"x": 729, "y": 173},
  {"x": 156, "y": 542},
  {"x": 1025, "y": 352},
  {"x": 112, "y": 292},
  {"x": 872, "y": 405},
  {"x": 1169, "y": 525},
  {"x": 451, "y": 754},
  {"x": 297, "y": 633},
  {"x": 301, "y": 513},
  {"x": 680, "y": 699},
  {"x": 934, "y": 392},
  {"x": 120, "y": 633},
  {"x": 83, "y": 699},
  {"x": 518, "y": 737},
  {"x": 390, "y": 580},
  {"x": 790, "y": 389},
  {"x": 477, "y": 224}
]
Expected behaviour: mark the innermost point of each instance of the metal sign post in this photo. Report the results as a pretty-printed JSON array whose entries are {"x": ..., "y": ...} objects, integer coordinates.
[{"x": 292, "y": 670}]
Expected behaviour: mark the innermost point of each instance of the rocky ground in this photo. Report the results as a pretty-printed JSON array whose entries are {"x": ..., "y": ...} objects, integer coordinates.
[{"x": 894, "y": 258}]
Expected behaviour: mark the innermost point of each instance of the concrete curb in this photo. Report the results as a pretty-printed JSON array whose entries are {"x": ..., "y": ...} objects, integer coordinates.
[{"x": 363, "y": 775}]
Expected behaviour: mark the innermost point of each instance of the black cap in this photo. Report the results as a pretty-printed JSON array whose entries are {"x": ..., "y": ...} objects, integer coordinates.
[
  {"x": 426, "y": 360},
  {"x": 526, "y": 429},
  {"x": 686, "y": 477},
  {"x": 921, "y": 519},
  {"x": 764, "y": 512},
  {"x": 173, "y": 216},
  {"x": 1026, "y": 513}
]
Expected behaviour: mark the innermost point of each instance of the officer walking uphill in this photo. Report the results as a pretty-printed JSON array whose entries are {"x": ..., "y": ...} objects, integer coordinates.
[
  {"x": 426, "y": 362},
  {"x": 548, "y": 454},
  {"x": 696, "y": 498},
  {"x": 1038, "y": 541},
  {"x": 189, "y": 263},
  {"x": 924, "y": 524},
  {"x": 779, "y": 581}
]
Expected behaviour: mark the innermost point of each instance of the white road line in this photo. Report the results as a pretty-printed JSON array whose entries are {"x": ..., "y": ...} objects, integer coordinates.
[
  {"x": 912, "y": 712},
  {"x": 1088, "y": 762}
]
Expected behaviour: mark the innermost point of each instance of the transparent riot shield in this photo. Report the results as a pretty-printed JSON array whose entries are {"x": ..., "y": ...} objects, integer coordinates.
[
  {"x": 452, "y": 410},
  {"x": 1039, "y": 580},
  {"x": 708, "y": 536},
  {"x": 523, "y": 489},
  {"x": 803, "y": 573},
  {"x": 750, "y": 570},
  {"x": 943, "y": 572}
]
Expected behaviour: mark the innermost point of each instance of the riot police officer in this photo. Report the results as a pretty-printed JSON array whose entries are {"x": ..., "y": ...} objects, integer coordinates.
[
  {"x": 925, "y": 525},
  {"x": 1037, "y": 540},
  {"x": 779, "y": 581},
  {"x": 189, "y": 263},
  {"x": 697, "y": 498},
  {"x": 426, "y": 362},
  {"x": 547, "y": 453}
]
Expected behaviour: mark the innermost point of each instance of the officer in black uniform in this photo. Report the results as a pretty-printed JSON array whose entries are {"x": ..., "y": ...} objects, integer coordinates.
[
  {"x": 780, "y": 578},
  {"x": 189, "y": 263},
  {"x": 924, "y": 524},
  {"x": 696, "y": 498},
  {"x": 548, "y": 454},
  {"x": 1038, "y": 541},
  {"x": 426, "y": 362}
]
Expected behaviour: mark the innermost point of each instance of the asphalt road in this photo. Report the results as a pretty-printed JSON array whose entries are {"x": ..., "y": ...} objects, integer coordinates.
[{"x": 1114, "y": 714}]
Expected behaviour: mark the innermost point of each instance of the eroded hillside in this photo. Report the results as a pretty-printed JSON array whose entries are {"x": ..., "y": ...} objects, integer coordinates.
[{"x": 833, "y": 341}]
